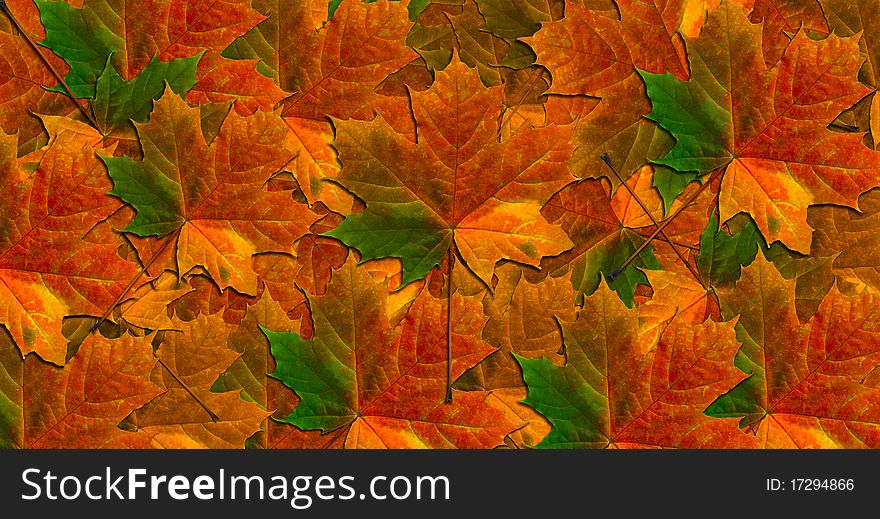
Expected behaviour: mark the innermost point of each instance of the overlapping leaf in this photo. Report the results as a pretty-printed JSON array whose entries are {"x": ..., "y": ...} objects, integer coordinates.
[
  {"x": 79, "y": 405},
  {"x": 55, "y": 260},
  {"x": 24, "y": 80},
  {"x": 457, "y": 183},
  {"x": 105, "y": 30},
  {"x": 617, "y": 391},
  {"x": 590, "y": 53},
  {"x": 283, "y": 215},
  {"x": 188, "y": 414},
  {"x": 334, "y": 71},
  {"x": 184, "y": 186},
  {"x": 805, "y": 387},
  {"x": 382, "y": 386},
  {"x": 766, "y": 127}
]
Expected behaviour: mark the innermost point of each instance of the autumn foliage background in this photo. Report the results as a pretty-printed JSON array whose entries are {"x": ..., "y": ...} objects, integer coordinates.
[{"x": 266, "y": 222}]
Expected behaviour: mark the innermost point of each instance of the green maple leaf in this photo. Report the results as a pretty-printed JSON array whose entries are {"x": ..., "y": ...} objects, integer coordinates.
[
  {"x": 80, "y": 38},
  {"x": 117, "y": 101},
  {"x": 723, "y": 255},
  {"x": 88, "y": 46}
]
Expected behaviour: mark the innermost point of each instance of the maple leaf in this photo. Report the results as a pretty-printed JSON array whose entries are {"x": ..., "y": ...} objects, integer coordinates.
[
  {"x": 780, "y": 19},
  {"x": 812, "y": 274},
  {"x": 117, "y": 101},
  {"x": 207, "y": 299},
  {"x": 736, "y": 114},
  {"x": 99, "y": 39},
  {"x": 518, "y": 18},
  {"x": 334, "y": 72},
  {"x": 52, "y": 264},
  {"x": 168, "y": 29},
  {"x": 678, "y": 293},
  {"x": 589, "y": 53},
  {"x": 723, "y": 251},
  {"x": 344, "y": 61},
  {"x": 221, "y": 80},
  {"x": 860, "y": 18},
  {"x": 147, "y": 307},
  {"x": 600, "y": 228},
  {"x": 448, "y": 27},
  {"x": 616, "y": 391},
  {"x": 523, "y": 315},
  {"x": 848, "y": 238},
  {"x": 187, "y": 188},
  {"x": 192, "y": 357},
  {"x": 805, "y": 386},
  {"x": 250, "y": 372},
  {"x": 78, "y": 405},
  {"x": 382, "y": 386},
  {"x": 457, "y": 183},
  {"x": 90, "y": 36},
  {"x": 723, "y": 255},
  {"x": 857, "y": 17},
  {"x": 23, "y": 90}
]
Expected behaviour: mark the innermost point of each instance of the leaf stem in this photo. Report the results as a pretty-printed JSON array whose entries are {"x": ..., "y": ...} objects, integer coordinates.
[
  {"x": 131, "y": 283},
  {"x": 844, "y": 127},
  {"x": 450, "y": 259},
  {"x": 613, "y": 275},
  {"x": 607, "y": 160},
  {"x": 214, "y": 417},
  {"x": 33, "y": 45}
]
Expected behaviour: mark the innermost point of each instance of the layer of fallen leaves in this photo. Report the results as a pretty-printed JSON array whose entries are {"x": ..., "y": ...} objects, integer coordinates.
[{"x": 395, "y": 224}]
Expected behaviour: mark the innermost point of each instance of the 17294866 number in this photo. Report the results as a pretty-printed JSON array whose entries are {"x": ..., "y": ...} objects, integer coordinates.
[{"x": 832, "y": 484}]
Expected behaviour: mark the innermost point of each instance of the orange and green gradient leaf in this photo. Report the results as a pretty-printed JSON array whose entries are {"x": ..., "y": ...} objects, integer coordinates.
[
  {"x": 457, "y": 180},
  {"x": 617, "y": 391},
  {"x": 766, "y": 127},
  {"x": 805, "y": 387},
  {"x": 211, "y": 197},
  {"x": 379, "y": 386}
]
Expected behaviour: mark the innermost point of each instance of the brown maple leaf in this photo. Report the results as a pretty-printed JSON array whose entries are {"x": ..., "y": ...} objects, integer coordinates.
[
  {"x": 52, "y": 263},
  {"x": 378, "y": 385},
  {"x": 210, "y": 197},
  {"x": 78, "y": 406},
  {"x": 188, "y": 414},
  {"x": 806, "y": 386}
]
